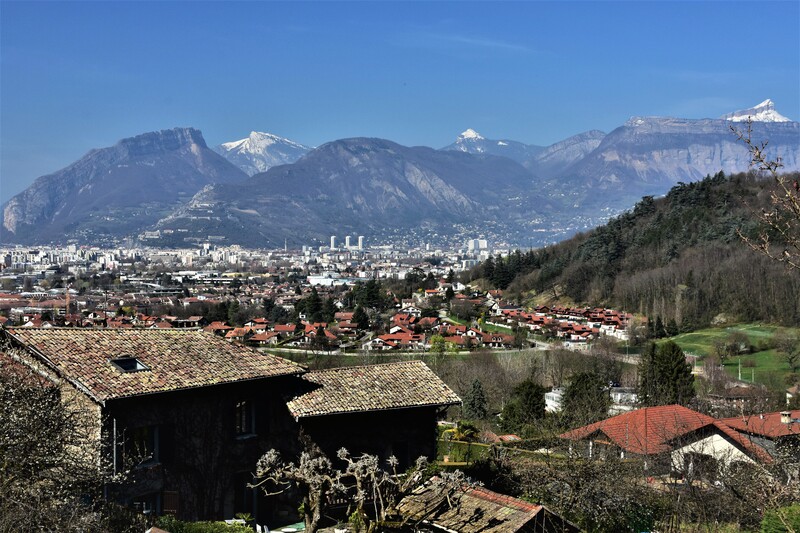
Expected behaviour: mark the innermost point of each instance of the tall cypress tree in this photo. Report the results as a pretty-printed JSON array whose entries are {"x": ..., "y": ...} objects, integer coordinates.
[
  {"x": 475, "y": 402},
  {"x": 665, "y": 377},
  {"x": 676, "y": 373}
]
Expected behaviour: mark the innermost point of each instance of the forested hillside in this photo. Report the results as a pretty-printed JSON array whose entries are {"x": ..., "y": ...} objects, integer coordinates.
[{"x": 678, "y": 257}]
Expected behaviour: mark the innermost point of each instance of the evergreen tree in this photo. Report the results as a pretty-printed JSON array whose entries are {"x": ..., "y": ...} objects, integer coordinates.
[
  {"x": 586, "y": 399},
  {"x": 475, "y": 402},
  {"x": 659, "y": 328},
  {"x": 278, "y": 314},
  {"x": 526, "y": 405},
  {"x": 360, "y": 318},
  {"x": 665, "y": 377},
  {"x": 430, "y": 282},
  {"x": 233, "y": 313},
  {"x": 488, "y": 269},
  {"x": 313, "y": 306},
  {"x": 371, "y": 294},
  {"x": 672, "y": 328},
  {"x": 328, "y": 310}
]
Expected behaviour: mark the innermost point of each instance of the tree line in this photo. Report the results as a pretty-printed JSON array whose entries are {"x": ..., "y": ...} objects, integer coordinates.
[{"x": 679, "y": 257}]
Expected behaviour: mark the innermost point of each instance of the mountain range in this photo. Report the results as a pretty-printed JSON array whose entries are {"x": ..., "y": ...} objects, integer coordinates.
[
  {"x": 170, "y": 188},
  {"x": 362, "y": 186}
]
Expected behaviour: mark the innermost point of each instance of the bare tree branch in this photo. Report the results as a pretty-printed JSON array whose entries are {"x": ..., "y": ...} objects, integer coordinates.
[{"x": 782, "y": 219}]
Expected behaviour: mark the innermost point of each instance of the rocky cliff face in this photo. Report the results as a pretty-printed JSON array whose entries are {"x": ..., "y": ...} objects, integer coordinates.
[
  {"x": 117, "y": 190},
  {"x": 555, "y": 158},
  {"x": 648, "y": 155}
]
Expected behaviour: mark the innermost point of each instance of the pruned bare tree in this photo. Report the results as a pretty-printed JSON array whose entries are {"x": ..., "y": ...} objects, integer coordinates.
[
  {"x": 361, "y": 483},
  {"x": 313, "y": 475},
  {"x": 782, "y": 218}
]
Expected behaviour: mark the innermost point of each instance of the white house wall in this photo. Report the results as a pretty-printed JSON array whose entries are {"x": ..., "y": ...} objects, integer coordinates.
[{"x": 714, "y": 445}]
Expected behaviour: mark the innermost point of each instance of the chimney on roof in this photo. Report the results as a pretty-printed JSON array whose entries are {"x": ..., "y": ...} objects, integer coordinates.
[{"x": 786, "y": 417}]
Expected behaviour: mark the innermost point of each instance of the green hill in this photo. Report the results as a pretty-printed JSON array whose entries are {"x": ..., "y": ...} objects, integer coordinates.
[{"x": 678, "y": 257}]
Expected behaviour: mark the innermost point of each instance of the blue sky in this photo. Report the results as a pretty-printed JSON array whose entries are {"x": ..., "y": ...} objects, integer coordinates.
[{"x": 77, "y": 76}]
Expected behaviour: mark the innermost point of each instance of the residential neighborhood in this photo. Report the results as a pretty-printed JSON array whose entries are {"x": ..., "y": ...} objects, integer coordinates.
[{"x": 193, "y": 377}]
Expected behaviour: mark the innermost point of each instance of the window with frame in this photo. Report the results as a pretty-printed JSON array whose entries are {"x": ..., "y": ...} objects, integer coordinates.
[
  {"x": 244, "y": 418},
  {"x": 128, "y": 364}
]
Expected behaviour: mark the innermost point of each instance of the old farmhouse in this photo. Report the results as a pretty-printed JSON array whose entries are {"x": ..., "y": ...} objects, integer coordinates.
[{"x": 189, "y": 414}]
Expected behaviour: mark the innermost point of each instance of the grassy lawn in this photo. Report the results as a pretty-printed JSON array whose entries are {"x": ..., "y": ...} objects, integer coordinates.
[
  {"x": 461, "y": 452},
  {"x": 758, "y": 366},
  {"x": 701, "y": 342},
  {"x": 761, "y": 366},
  {"x": 491, "y": 328},
  {"x": 456, "y": 320}
]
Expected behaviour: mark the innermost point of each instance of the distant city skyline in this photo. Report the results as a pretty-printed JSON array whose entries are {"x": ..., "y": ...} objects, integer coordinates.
[{"x": 81, "y": 75}]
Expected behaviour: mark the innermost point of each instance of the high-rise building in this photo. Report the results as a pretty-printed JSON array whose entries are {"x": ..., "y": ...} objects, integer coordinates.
[
  {"x": 360, "y": 242},
  {"x": 333, "y": 242},
  {"x": 474, "y": 245},
  {"x": 347, "y": 242}
]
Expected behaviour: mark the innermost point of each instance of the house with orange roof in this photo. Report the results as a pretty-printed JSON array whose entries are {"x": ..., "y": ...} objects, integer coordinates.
[
  {"x": 428, "y": 322},
  {"x": 264, "y": 338},
  {"x": 683, "y": 438},
  {"x": 379, "y": 344},
  {"x": 218, "y": 328},
  {"x": 404, "y": 318},
  {"x": 343, "y": 316},
  {"x": 285, "y": 329},
  {"x": 776, "y": 432},
  {"x": 240, "y": 335},
  {"x": 498, "y": 340}
]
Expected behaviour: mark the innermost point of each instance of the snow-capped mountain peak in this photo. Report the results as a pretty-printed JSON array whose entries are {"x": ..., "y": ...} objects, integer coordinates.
[
  {"x": 260, "y": 151},
  {"x": 469, "y": 133},
  {"x": 763, "y": 112}
]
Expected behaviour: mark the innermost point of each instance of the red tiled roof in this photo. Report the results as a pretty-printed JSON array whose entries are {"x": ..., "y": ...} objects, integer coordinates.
[
  {"x": 652, "y": 430},
  {"x": 264, "y": 336},
  {"x": 476, "y": 509},
  {"x": 369, "y": 388},
  {"x": 766, "y": 425},
  {"x": 217, "y": 326},
  {"x": 175, "y": 359}
]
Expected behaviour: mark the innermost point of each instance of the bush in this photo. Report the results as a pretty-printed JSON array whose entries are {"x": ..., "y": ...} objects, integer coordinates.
[
  {"x": 173, "y": 525},
  {"x": 775, "y": 521}
]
